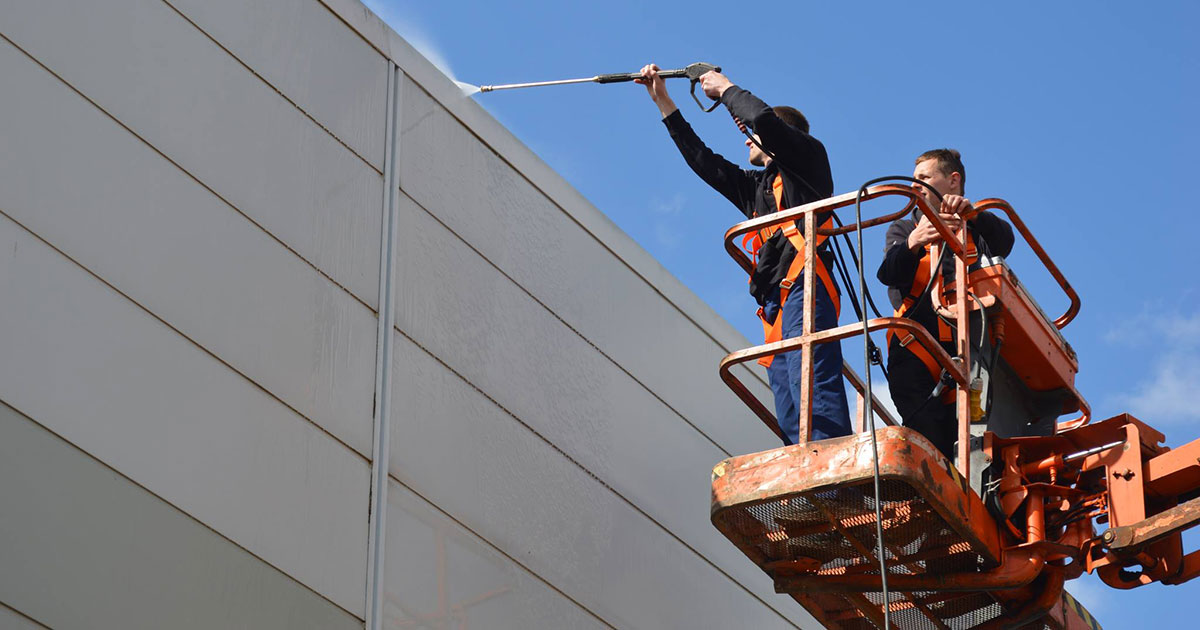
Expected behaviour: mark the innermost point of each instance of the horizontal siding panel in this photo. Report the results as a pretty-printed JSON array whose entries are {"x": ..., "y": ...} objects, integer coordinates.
[
  {"x": 308, "y": 54},
  {"x": 441, "y": 575},
  {"x": 13, "y": 620},
  {"x": 96, "y": 551},
  {"x": 136, "y": 220},
  {"x": 534, "y": 241},
  {"x": 465, "y": 454},
  {"x": 148, "y": 67},
  {"x": 101, "y": 372}
]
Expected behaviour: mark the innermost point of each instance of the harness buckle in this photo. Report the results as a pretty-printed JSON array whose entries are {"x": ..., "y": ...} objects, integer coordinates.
[
  {"x": 787, "y": 284},
  {"x": 907, "y": 340}
]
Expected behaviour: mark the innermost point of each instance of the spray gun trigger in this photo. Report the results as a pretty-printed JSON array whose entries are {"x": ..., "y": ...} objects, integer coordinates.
[{"x": 694, "y": 72}]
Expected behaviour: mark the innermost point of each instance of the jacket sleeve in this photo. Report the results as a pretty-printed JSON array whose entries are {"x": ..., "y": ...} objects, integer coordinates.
[
  {"x": 736, "y": 184},
  {"x": 899, "y": 265},
  {"x": 794, "y": 149},
  {"x": 995, "y": 232}
]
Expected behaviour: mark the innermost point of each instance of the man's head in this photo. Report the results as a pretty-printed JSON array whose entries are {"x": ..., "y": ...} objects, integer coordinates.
[
  {"x": 943, "y": 169},
  {"x": 789, "y": 115}
]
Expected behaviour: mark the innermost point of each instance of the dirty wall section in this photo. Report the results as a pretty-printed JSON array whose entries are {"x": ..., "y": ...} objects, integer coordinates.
[
  {"x": 192, "y": 195},
  {"x": 189, "y": 221}
]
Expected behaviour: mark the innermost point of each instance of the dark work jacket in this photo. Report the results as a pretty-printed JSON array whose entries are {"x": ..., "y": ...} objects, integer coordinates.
[
  {"x": 993, "y": 237},
  {"x": 750, "y": 189}
]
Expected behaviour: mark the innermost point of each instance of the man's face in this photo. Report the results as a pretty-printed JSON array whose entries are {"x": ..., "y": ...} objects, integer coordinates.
[
  {"x": 930, "y": 172},
  {"x": 757, "y": 157}
]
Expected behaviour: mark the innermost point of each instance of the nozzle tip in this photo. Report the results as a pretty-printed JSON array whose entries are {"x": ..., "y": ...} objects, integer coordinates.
[{"x": 485, "y": 88}]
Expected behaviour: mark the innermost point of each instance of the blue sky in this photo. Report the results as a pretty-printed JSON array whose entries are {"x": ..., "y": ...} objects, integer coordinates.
[{"x": 1083, "y": 115}]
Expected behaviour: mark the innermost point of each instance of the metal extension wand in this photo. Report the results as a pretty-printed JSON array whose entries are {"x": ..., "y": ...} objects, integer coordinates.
[{"x": 693, "y": 73}]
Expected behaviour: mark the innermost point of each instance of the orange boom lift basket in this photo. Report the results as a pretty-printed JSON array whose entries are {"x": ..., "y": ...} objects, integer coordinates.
[{"x": 985, "y": 541}]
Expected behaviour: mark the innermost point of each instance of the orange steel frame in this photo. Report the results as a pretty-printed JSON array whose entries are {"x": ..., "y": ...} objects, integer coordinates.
[
  {"x": 958, "y": 367},
  {"x": 1050, "y": 488},
  {"x": 1023, "y": 572},
  {"x": 1121, "y": 474}
]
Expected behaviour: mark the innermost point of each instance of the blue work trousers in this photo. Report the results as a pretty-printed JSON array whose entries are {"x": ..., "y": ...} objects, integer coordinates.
[{"x": 830, "y": 413}]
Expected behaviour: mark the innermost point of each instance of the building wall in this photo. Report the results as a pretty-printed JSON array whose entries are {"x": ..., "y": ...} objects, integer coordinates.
[{"x": 204, "y": 208}]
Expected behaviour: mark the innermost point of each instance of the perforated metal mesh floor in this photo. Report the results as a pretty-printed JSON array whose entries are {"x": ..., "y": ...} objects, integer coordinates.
[
  {"x": 958, "y": 611},
  {"x": 837, "y": 528},
  {"x": 805, "y": 514},
  {"x": 832, "y": 532}
]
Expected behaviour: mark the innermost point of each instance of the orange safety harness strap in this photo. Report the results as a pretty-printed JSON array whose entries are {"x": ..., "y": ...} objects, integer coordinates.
[
  {"x": 773, "y": 330},
  {"x": 920, "y": 281}
]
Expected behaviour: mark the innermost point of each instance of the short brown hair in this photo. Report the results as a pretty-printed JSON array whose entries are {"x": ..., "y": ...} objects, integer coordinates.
[
  {"x": 791, "y": 116},
  {"x": 949, "y": 161}
]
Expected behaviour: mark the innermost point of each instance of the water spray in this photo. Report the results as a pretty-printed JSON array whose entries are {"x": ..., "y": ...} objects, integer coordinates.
[{"x": 693, "y": 73}]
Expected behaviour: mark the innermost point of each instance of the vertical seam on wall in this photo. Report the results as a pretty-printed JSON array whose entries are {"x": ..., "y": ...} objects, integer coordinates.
[
  {"x": 635, "y": 269},
  {"x": 383, "y": 363}
]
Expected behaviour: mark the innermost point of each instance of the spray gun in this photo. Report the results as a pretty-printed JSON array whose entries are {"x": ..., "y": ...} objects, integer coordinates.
[{"x": 693, "y": 73}]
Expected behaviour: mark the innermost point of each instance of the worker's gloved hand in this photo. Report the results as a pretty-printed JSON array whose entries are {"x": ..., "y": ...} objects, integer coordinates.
[
  {"x": 714, "y": 84},
  {"x": 656, "y": 87}
]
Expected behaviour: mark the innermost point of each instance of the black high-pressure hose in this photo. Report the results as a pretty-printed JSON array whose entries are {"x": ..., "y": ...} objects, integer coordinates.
[
  {"x": 853, "y": 256},
  {"x": 870, "y": 344},
  {"x": 843, "y": 270},
  {"x": 942, "y": 380},
  {"x": 872, "y": 350},
  {"x": 942, "y": 257},
  {"x": 839, "y": 260}
]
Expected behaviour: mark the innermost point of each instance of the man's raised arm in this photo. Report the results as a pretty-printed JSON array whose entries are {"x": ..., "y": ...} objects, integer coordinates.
[
  {"x": 796, "y": 150},
  {"x": 725, "y": 177}
]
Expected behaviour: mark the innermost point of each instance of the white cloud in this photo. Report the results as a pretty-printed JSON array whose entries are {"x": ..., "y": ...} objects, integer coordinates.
[
  {"x": 671, "y": 207},
  {"x": 1171, "y": 341},
  {"x": 666, "y": 228},
  {"x": 1184, "y": 329},
  {"x": 667, "y": 235},
  {"x": 1171, "y": 391},
  {"x": 880, "y": 391},
  {"x": 852, "y": 351},
  {"x": 882, "y": 394},
  {"x": 1156, "y": 326}
]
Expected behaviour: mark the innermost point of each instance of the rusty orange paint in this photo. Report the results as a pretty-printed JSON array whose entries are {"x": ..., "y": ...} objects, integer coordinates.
[{"x": 802, "y": 512}]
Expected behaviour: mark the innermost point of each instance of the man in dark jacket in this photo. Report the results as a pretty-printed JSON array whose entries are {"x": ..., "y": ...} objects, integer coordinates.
[
  {"x": 911, "y": 376},
  {"x": 795, "y": 171}
]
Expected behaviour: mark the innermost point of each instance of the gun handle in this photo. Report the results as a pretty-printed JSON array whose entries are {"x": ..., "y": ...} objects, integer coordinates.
[
  {"x": 619, "y": 77},
  {"x": 696, "y": 70}
]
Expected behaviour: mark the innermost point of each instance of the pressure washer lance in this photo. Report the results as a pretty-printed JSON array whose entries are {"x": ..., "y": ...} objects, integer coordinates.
[{"x": 692, "y": 73}]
